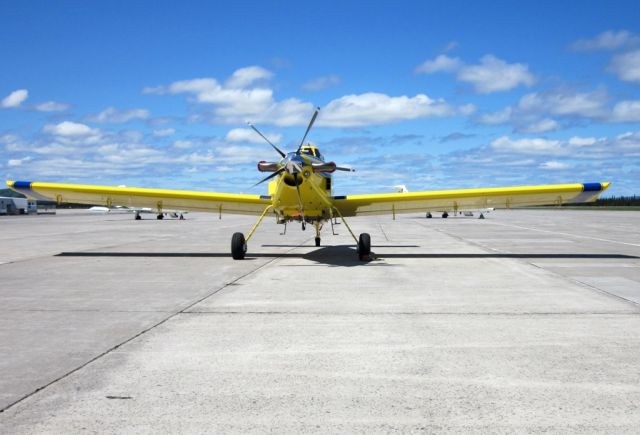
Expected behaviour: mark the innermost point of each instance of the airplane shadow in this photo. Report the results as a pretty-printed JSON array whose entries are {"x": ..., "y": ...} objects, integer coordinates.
[{"x": 346, "y": 256}]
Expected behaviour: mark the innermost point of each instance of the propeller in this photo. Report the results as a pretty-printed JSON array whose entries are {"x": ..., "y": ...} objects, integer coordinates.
[
  {"x": 313, "y": 119},
  {"x": 278, "y": 172},
  {"x": 268, "y": 141}
]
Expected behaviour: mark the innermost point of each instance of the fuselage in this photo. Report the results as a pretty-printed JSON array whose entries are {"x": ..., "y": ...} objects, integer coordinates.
[{"x": 315, "y": 201}]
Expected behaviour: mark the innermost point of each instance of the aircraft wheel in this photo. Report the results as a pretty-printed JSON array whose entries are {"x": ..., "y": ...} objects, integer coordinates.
[
  {"x": 481, "y": 216},
  {"x": 364, "y": 246},
  {"x": 445, "y": 215},
  {"x": 238, "y": 246},
  {"x": 317, "y": 241},
  {"x": 429, "y": 216},
  {"x": 138, "y": 217},
  {"x": 160, "y": 216}
]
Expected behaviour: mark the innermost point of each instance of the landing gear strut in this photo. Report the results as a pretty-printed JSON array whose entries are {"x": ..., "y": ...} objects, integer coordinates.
[
  {"x": 239, "y": 243},
  {"x": 317, "y": 225}
]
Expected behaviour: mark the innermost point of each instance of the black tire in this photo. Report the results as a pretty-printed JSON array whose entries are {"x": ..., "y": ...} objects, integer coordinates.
[
  {"x": 429, "y": 216},
  {"x": 238, "y": 246},
  {"x": 138, "y": 217},
  {"x": 364, "y": 246},
  {"x": 317, "y": 241},
  {"x": 160, "y": 217},
  {"x": 445, "y": 215}
]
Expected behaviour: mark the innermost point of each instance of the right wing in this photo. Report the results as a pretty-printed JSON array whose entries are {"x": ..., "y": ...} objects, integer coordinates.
[
  {"x": 467, "y": 199},
  {"x": 158, "y": 199}
]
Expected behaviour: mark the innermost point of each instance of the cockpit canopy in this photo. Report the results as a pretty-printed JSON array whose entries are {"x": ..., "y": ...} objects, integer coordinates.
[{"x": 311, "y": 150}]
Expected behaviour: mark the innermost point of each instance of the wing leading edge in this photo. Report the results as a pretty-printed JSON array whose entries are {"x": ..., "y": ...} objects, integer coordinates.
[
  {"x": 140, "y": 197},
  {"x": 468, "y": 199}
]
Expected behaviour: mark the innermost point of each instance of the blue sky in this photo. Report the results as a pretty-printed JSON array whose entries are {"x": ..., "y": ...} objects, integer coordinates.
[{"x": 433, "y": 96}]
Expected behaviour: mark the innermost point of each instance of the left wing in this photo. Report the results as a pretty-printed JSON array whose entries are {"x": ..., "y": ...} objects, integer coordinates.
[
  {"x": 468, "y": 199},
  {"x": 158, "y": 199}
]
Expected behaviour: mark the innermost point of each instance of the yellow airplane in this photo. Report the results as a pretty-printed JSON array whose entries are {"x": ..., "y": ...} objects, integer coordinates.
[{"x": 301, "y": 190}]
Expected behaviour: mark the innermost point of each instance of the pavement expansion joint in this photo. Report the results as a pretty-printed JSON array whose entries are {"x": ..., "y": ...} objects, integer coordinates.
[{"x": 135, "y": 336}]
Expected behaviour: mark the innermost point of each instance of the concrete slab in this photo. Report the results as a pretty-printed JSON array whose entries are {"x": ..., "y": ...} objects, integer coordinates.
[{"x": 506, "y": 324}]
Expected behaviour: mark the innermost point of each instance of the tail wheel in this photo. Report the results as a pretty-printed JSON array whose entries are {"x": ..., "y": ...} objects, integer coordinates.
[
  {"x": 364, "y": 246},
  {"x": 238, "y": 246}
]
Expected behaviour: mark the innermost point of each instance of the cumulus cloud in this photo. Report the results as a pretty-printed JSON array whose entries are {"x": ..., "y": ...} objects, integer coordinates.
[
  {"x": 627, "y": 66},
  {"x": 235, "y": 101},
  {"x": 111, "y": 115},
  {"x": 495, "y": 75},
  {"x": 376, "y": 108},
  {"x": 18, "y": 162},
  {"x": 609, "y": 40},
  {"x": 239, "y": 99},
  {"x": 321, "y": 83},
  {"x": 527, "y": 145},
  {"x": 248, "y": 135},
  {"x": 51, "y": 106},
  {"x": 542, "y": 126},
  {"x": 626, "y": 111},
  {"x": 14, "y": 99},
  {"x": 69, "y": 129},
  {"x": 441, "y": 63},
  {"x": 540, "y": 112},
  {"x": 164, "y": 132},
  {"x": 490, "y": 75},
  {"x": 244, "y": 77},
  {"x": 554, "y": 165}
]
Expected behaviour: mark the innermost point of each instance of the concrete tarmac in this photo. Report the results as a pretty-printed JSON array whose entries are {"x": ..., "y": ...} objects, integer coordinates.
[{"x": 527, "y": 321}]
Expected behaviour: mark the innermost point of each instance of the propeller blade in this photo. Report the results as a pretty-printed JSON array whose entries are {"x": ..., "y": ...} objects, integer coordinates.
[
  {"x": 278, "y": 172},
  {"x": 344, "y": 168},
  {"x": 313, "y": 119},
  {"x": 268, "y": 141}
]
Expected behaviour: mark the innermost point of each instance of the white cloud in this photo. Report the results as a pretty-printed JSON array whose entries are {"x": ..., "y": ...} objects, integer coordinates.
[
  {"x": 609, "y": 40},
  {"x": 527, "y": 146},
  {"x": 627, "y": 66},
  {"x": 234, "y": 105},
  {"x": 51, "y": 106},
  {"x": 244, "y": 77},
  {"x": 441, "y": 63},
  {"x": 111, "y": 115},
  {"x": 541, "y": 126},
  {"x": 183, "y": 144},
  {"x": 554, "y": 165},
  {"x": 374, "y": 108},
  {"x": 567, "y": 103},
  {"x": 321, "y": 83},
  {"x": 14, "y": 99},
  {"x": 248, "y": 135},
  {"x": 164, "y": 132},
  {"x": 626, "y": 111},
  {"x": 582, "y": 141},
  {"x": 18, "y": 162},
  {"x": 495, "y": 118},
  {"x": 495, "y": 75},
  {"x": 68, "y": 128}
]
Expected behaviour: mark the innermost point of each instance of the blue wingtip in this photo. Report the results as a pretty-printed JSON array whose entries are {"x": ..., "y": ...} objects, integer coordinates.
[
  {"x": 22, "y": 184},
  {"x": 591, "y": 187}
]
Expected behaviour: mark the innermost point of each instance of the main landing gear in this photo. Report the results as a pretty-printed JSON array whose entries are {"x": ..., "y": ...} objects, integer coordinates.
[
  {"x": 364, "y": 246},
  {"x": 238, "y": 246}
]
